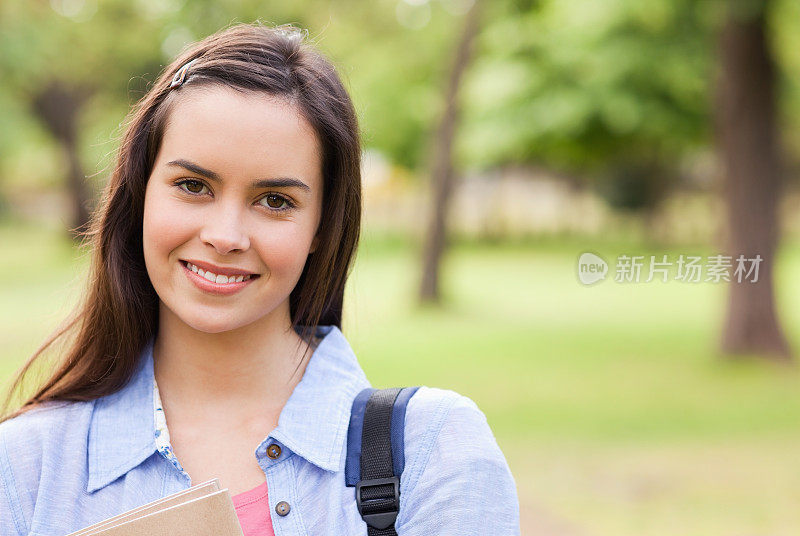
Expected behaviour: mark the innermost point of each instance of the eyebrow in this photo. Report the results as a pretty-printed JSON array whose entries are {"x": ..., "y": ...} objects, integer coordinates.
[{"x": 261, "y": 183}]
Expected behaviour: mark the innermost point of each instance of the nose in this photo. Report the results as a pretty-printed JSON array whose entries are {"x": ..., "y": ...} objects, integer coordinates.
[{"x": 223, "y": 229}]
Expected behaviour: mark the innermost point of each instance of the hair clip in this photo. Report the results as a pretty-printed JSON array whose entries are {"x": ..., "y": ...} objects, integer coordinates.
[{"x": 180, "y": 76}]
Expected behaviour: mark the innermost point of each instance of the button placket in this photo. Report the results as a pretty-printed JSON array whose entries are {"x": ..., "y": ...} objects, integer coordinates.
[{"x": 282, "y": 482}]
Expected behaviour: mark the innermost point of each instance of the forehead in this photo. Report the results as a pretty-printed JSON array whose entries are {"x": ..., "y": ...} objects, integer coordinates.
[{"x": 240, "y": 133}]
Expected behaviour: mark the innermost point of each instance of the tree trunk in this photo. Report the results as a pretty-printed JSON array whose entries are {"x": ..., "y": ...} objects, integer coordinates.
[
  {"x": 748, "y": 147},
  {"x": 58, "y": 108},
  {"x": 442, "y": 172}
]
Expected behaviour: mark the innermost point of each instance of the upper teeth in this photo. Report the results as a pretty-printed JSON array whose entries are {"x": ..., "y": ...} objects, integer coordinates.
[{"x": 214, "y": 278}]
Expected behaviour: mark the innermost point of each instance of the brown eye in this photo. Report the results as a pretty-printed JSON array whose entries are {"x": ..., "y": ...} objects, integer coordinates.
[
  {"x": 193, "y": 187},
  {"x": 275, "y": 201}
]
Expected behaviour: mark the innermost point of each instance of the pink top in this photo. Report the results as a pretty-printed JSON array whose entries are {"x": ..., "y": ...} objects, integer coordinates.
[{"x": 252, "y": 509}]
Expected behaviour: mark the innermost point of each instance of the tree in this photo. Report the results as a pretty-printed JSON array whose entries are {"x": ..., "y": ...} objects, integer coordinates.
[
  {"x": 442, "y": 172},
  {"x": 62, "y": 61},
  {"x": 613, "y": 93},
  {"x": 59, "y": 59},
  {"x": 748, "y": 148}
]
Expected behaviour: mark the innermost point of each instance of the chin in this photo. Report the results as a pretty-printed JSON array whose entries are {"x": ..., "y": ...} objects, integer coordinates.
[
  {"x": 209, "y": 325},
  {"x": 215, "y": 328}
]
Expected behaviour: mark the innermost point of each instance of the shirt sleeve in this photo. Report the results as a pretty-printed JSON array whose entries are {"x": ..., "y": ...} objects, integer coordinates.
[
  {"x": 465, "y": 486},
  {"x": 12, "y": 521}
]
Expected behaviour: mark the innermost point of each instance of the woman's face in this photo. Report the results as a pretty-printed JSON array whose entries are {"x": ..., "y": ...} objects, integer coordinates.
[{"x": 236, "y": 188}]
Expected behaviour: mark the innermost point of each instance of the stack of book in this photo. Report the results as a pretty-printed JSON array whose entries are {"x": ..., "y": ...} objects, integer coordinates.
[{"x": 202, "y": 510}]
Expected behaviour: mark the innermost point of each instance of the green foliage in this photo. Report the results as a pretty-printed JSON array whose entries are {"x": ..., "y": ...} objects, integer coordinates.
[
  {"x": 397, "y": 74},
  {"x": 586, "y": 86},
  {"x": 633, "y": 185},
  {"x": 594, "y": 89},
  {"x": 785, "y": 41},
  {"x": 113, "y": 50}
]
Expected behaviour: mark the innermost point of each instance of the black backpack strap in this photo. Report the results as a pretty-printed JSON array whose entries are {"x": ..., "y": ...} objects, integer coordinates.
[{"x": 375, "y": 457}]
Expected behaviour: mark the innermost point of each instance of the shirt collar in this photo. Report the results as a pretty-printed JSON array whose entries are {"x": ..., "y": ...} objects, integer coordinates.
[
  {"x": 121, "y": 431},
  {"x": 315, "y": 419},
  {"x": 312, "y": 424}
]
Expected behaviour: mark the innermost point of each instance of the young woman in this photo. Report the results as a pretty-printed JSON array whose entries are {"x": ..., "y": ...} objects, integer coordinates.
[{"x": 220, "y": 254}]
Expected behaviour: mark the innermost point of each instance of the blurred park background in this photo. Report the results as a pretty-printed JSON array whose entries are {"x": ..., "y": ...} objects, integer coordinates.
[{"x": 502, "y": 139}]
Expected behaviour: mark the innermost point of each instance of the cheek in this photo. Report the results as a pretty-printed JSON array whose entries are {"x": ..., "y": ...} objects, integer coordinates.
[
  {"x": 284, "y": 251},
  {"x": 164, "y": 228}
]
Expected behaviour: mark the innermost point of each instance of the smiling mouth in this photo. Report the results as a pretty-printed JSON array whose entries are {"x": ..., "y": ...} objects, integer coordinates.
[{"x": 217, "y": 278}]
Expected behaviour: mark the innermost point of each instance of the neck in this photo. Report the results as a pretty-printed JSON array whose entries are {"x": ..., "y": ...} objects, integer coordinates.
[{"x": 250, "y": 369}]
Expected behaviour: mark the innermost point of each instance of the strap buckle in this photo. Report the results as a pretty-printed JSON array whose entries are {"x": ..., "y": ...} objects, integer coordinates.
[{"x": 379, "y": 516}]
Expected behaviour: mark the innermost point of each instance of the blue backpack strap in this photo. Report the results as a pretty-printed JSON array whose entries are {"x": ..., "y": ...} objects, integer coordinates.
[
  {"x": 377, "y": 400},
  {"x": 352, "y": 468}
]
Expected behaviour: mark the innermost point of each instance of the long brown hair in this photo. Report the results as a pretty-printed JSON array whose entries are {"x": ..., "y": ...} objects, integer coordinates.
[{"x": 119, "y": 311}]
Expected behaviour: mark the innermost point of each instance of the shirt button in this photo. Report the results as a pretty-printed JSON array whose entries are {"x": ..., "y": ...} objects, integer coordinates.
[
  {"x": 274, "y": 451},
  {"x": 282, "y": 508}
]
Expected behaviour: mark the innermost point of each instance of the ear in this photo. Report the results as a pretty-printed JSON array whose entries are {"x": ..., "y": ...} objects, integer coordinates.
[{"x": 314, "y": 244}]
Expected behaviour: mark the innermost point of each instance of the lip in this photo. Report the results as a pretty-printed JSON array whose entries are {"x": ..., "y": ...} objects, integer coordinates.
[
  {"x": 221, "y": 289},
  {"x": 219, "y": 270}
]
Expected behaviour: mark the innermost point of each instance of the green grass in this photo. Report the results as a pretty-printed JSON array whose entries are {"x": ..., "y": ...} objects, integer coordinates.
[{"x": 614, "y": 409}]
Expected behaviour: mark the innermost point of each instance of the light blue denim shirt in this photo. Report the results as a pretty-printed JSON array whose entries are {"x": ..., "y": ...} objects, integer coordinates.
[{"x": 67, "y": 465}]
